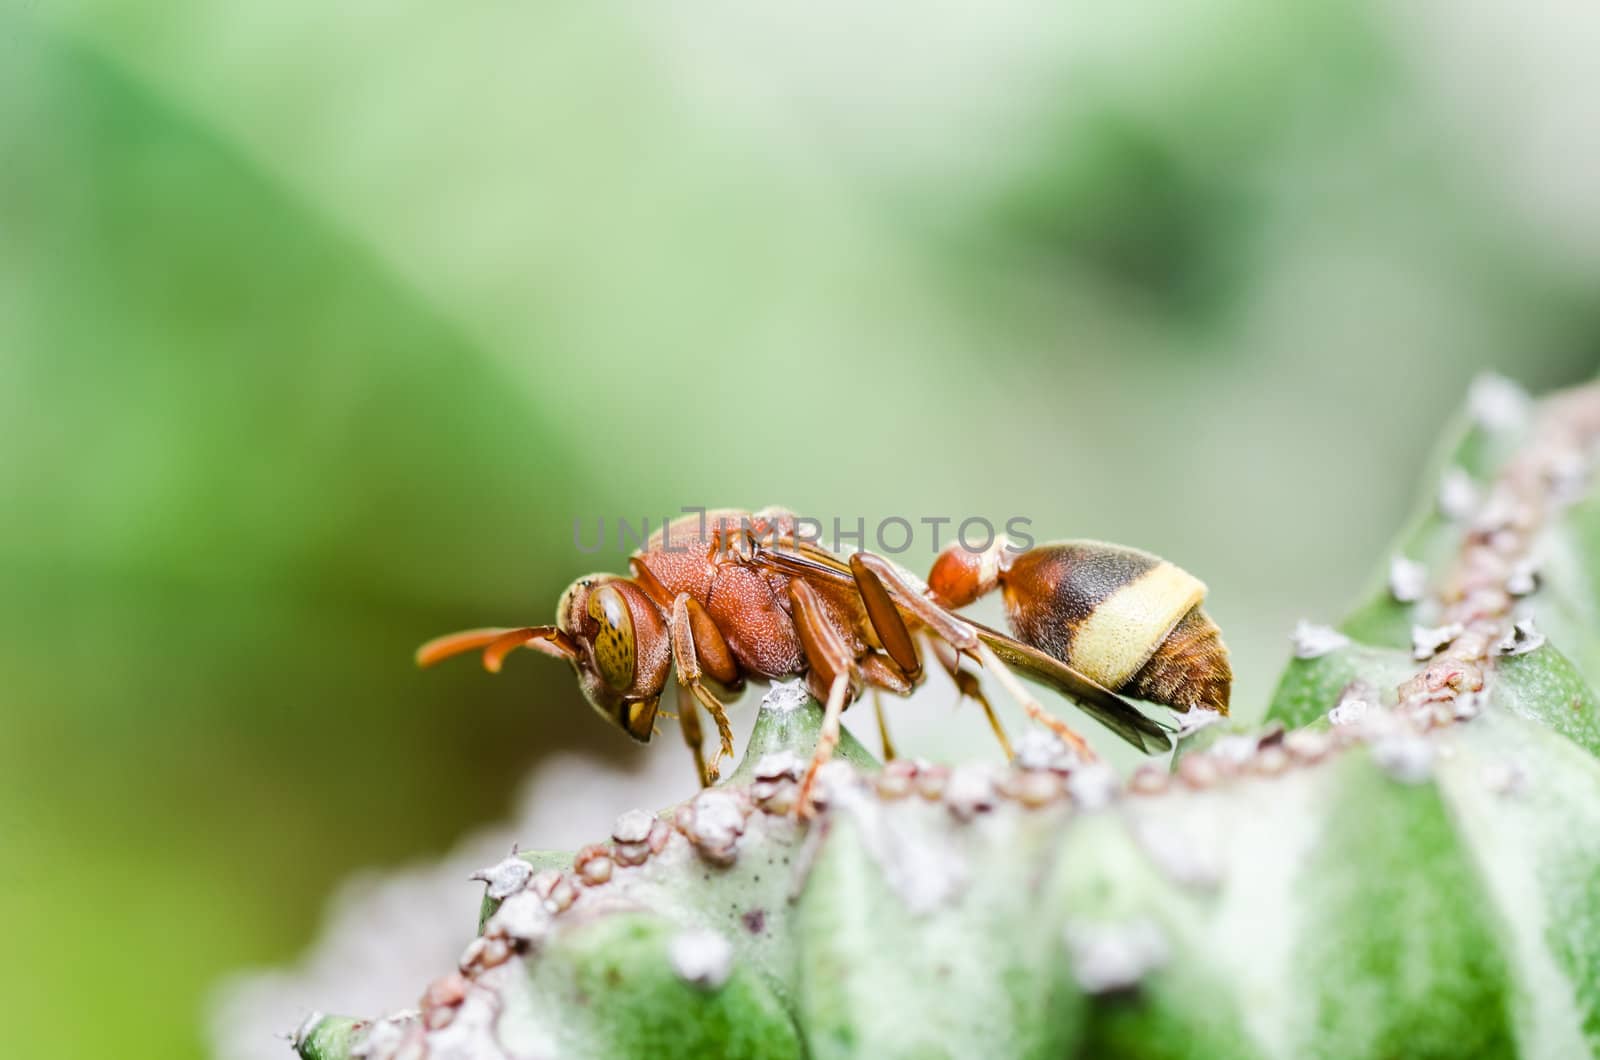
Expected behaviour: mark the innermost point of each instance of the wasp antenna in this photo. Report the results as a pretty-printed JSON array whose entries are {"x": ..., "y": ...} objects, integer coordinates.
[
  {"x": 494, "y": 655},
  {"x": 441, "y": 648}
]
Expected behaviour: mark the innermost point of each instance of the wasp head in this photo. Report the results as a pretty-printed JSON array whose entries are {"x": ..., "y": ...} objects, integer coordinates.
[{"x": 616, "y": 639}]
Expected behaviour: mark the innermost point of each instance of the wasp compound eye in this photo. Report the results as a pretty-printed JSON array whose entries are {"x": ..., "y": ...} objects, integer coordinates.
[{"x": 614, "y": 650}]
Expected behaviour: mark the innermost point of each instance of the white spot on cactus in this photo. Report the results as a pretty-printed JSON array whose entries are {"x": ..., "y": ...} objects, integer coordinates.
[
  {"x": 1183, "y": 857},
  {"x": 1428, "y": 641},
  {"x": 920, "y": 864},
  {"x": 786, "y": 696},
  {"x": 1110, "y": 957},
  {"x": 1523, "y": 638},
  {"x": 782, "y": 764},
  {"x": 1199, "y": 770},
  {"x": 470, "y": 1035},
  {"x": 1236, "y": 750},
  {"x": 1408, "y": 579},
  {"x": 775, "y": 796},
  {"x": 1093, "y": 785},
  {"x": 1035, "y": 787},
  {"x": 1505, "y": 778},
  {"x": 504, "y": 878},
  {"x": 523, "y": 917},
  {"x": 702, "y": 958},
  {"x": 1308, "y": 745},
  {"x": 384, "y": 1038},
  {"x": 1467, "y": 706},
  {"x": 633, "y": 826},
  {"x": 1039, "y": 748},
  {"x": 1196, "y": 718},
  {"x": 596, "y": 870},
  {"x": 1312, "y": 641},
  {"x": 1271, "y": 760},
  {"x": 561, "y": 896},
  {"x": 715, "y": 822},
  {"x": 1353, "y": 707},
  {"x": 969, "y": 791},
  {"x": 1405, "y": 756},
  {"x": 1503, "y": 509},
  {"x": 544, "y": 882},
  {"x": 835, "y": 777},
  {"x": 1523, "y": 579},
  {"x": 1568, "y": 475},
  {"x": 1495, "y": 403},
  {"x": 1458, "y": 495}
]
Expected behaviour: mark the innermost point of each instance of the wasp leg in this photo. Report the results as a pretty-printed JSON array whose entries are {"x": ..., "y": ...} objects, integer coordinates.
[
  {"x": 968, "y": 687},
  {"x": 827, "y": 742},
  {"x": 833, "y": 667},
  {"x": 724, "y": 729},
  {"x": 885, "y": 618},
  {"x": 1014, "y": 688},
  {"x": 880, "y": 673},
  {"x": 689, "y": 720},
  {"x": 947, "y": 627},
  {"x": 693, "y": 641},
  {"x": 889, "y": 754},
  {"x": 964, "y": 638}
]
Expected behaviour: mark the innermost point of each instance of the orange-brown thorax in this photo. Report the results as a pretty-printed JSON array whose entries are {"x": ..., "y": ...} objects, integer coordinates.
[{"x": 749, "y": 605}]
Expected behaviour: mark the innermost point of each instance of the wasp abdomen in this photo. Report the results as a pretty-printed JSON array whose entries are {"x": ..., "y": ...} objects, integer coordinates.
[
  {"x": 1189, "y": 669},
  {"x": 1128, "y": 619}
]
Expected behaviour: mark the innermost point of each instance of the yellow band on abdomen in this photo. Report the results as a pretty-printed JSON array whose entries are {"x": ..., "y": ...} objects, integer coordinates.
[{"x": 1129, "y": 625}]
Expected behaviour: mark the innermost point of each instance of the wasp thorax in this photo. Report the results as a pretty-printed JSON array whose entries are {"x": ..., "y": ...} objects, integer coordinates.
[{"x": 1128, "y": 619}]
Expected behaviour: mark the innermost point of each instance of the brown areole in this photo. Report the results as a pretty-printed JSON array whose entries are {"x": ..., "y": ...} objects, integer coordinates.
[{"x": 733, "y": 595}]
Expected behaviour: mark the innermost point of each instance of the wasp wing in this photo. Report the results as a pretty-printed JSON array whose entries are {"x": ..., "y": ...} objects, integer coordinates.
[{"x": 1098, "y": 701}]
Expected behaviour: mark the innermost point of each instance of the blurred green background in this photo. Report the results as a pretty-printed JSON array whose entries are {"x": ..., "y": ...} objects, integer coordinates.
[{"x": 319, "y": 326}]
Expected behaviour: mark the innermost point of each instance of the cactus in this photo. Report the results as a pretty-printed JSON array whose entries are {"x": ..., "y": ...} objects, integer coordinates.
[{"x": 1403, "y": 860}]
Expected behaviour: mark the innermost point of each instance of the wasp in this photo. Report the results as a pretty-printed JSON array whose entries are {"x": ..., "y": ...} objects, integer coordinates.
[{"x": 727, "y": 596}]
